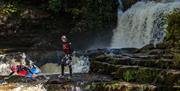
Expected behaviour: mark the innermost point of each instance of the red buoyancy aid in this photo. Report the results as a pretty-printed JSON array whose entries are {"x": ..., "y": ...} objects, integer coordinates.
[
  {"x": 21, "y": 72},
  {"x": 66, "y": 48}
]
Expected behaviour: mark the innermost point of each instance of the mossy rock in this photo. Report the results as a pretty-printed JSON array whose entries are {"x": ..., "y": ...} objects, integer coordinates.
[
  {"x": 173, "y": 30},
  {"x": 120, "y": 86},
  {"x": 103, "y": 68},
  {"x": 166, "y": 62},
  {"x": 137, "y": 73}
]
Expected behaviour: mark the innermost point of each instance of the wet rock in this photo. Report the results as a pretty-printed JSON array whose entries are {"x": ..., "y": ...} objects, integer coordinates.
[
  {"x": 156, "y": 52},
  {"x": 129, "y": 50},
  {"x": 58, "y": 81},
  {"x": 94, "y": 53},
  {"x": 168, "y": 56},
  {"x": 146, "y": 48},
  {"x": 21, "y": 87},
  {"x": 121, "y": 86},
  {"x": 138, "y": 73},
  {"x": 142, "y": 56},
  {"x": 145, "y": 61},
  {"x": 128, "y": 3}
]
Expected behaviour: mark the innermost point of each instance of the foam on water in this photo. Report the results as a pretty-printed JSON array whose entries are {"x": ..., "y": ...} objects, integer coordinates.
[
  {"x": 22, "y": 87},
  {"x": 80, "y": 65}
]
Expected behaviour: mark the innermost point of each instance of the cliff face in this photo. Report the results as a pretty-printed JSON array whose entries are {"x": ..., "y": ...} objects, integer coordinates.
[
  {"x": 29, "y": 23},
  {"x": 40, "y": 23}
]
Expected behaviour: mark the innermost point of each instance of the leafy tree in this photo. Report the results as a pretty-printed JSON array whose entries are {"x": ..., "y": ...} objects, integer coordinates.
[
  {"x": 55, "y": 5},
  {"x": 8, "y": 9}
]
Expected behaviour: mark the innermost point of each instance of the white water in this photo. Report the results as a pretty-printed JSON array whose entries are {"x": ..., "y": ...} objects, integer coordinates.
[
  {"x": 7, "y": 60},
  {"x": 4, "y": 68},
  {"x": 22, "y": 87},
  {"x": 142, "y": 24},
  {"x": 5, "y": 64},
  {"x": 79, "y": 65}
]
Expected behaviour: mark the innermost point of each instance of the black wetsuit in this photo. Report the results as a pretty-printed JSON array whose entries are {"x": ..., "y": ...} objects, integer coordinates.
[{"x": 68, "y": 52}]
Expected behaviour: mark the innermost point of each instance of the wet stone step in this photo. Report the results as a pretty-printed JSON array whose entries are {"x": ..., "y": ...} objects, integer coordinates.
[
  {"x": 103, "y": 86},
  {"x": 147, "y": 56},
  {"x": 156, "y": 52},
  {"x": 54, "y": 79},
  {"x": 156, "y": 63},
  {"x": 137, "y": 73},
  {"x": 168, "y": 56},
  {"x": 100, "y": 86},
  {"x": 126, "y": 86}
]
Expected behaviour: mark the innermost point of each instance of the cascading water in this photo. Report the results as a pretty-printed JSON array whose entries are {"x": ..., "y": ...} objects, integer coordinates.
[
  {"x": 4, "y": 68},
  {"x": 7, "y": 60},
  {"x": 22, "y": 87},
  {"x": 80, "y": 65},
  {"x": 142, "y": 24},
  {"x": 5, "y": 63}
]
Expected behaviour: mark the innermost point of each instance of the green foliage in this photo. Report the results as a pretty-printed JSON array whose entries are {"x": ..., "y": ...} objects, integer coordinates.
[
  {"x": 8, "y": 9},
  {"x": 128, "y": 76},
  {"x": 140, "y": 75},
  {"x": 144, "y": 76},
  {"x": 96, "y": 15},
  {"x": 173, "y": 29},
  {"x": 55, "y": 5},
  {"x": 176, "y": 60},
  {"x": 73, "y": 11}
]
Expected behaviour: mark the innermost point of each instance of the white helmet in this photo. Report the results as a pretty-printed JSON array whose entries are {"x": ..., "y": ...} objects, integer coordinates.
[{"x": 63, "y": 37}]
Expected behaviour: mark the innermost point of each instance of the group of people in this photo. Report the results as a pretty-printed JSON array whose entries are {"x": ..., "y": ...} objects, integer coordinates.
[{"x": 31, "y": 71}]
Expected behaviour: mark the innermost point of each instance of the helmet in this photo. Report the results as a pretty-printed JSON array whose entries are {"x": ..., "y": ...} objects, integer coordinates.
[
  {"x": 63, "y": 37},
  {"x": 14, "y": 68}
]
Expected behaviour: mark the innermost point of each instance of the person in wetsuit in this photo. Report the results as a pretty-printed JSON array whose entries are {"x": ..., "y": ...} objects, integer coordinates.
[
  {"x": 21, "y": 71},
  {"x": 67, "y": 60}
]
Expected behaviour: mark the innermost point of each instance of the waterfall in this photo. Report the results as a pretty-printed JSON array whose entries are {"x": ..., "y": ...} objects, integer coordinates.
[{"x": 144, "y": 23}]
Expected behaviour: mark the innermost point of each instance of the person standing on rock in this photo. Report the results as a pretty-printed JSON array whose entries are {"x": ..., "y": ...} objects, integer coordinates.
[{"x": 67, "y": 59}]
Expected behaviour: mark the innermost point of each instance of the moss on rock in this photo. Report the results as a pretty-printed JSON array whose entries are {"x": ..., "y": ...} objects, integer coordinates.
[
  {"x": 137, "y": 73},
  {"x": 173, "y": 27},
  {"x": 120, "y": 86}
]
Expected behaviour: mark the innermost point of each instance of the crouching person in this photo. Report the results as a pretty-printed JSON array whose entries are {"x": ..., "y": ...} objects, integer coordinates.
[{"x": 21, "y": 70}]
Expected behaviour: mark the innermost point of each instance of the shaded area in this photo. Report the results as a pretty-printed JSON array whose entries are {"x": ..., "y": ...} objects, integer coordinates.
[{"x": 35, "y": 23}]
